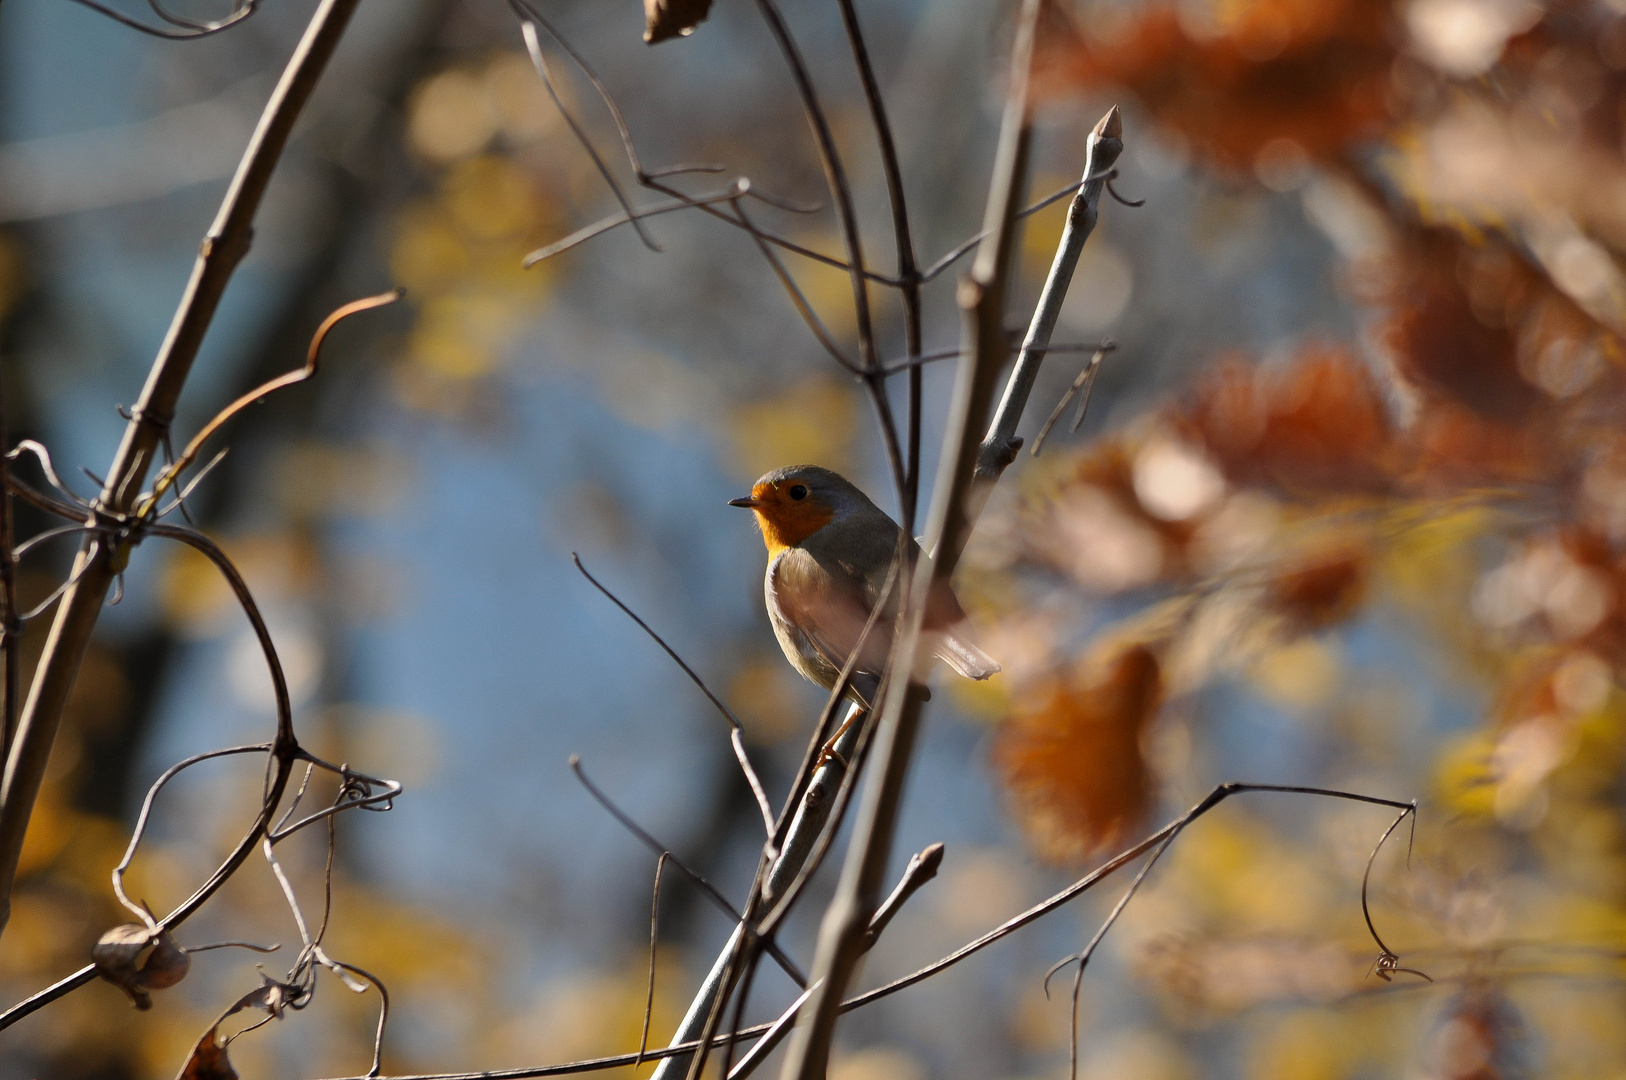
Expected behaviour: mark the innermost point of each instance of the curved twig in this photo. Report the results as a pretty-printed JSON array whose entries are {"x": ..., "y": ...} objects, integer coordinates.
[
  {"x": 43, "y": 456},
  {"x": 142, "y": 818},
  {"x": 192, "y": 29},
  {"x": 540, "y": 62},
  {"x": 735, "y": 727},
  {"x": 664, "y": 852},
  {"x": 1387, "y": 963},
  {"x": 313, "y": 356}
]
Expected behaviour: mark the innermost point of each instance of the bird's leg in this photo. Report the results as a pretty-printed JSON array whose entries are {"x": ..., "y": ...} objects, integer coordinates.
[{"x": 828, "y": 751}]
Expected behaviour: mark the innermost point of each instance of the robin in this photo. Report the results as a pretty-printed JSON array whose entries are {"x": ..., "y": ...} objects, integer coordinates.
[{"x": 830, "y": 554}]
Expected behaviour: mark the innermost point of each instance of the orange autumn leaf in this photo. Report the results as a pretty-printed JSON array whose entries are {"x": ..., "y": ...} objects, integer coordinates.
[
  {"x": 1321, "y": 426},
  {"x": 1441, "y": 346},
  {"x": 1321, "y": 588},
  {"x": 1071, "y": 753},
  {"x": 1313, "y": 71}
]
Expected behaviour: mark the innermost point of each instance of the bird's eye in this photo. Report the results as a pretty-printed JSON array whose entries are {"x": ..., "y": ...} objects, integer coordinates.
[{"x": 798, "y": 492}]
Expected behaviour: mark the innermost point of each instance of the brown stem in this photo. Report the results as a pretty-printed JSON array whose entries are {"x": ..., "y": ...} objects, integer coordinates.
[{"x": 102, "y": 557}]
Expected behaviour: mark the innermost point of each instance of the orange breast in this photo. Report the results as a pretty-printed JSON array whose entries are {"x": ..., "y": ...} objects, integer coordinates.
[{"x": 786, "y": 524}]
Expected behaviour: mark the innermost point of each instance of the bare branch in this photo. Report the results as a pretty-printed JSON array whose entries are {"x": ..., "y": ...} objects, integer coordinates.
[
  {"x": 922, "y": 868},
  {"x": 908, "y": 274},
  {"x": 1084, "y": 382},
  {"x": 146, "y": 814},
  {"x": 582, "y": 235},
  {"x": 540, "y": 62},
  {"x": 11, "y": 628},
  {"x": 999, "y": 446},
  {"x": 99, "y": 563},
  {"x": 313, "y": 357},
  {"x": 965, "y": 246},
  {"x": 654, "y": 942}
]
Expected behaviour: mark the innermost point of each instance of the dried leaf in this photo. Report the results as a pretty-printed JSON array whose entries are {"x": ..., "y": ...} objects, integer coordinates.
[
  {"x": 209, "y": 1060},
  {"x": 1441, "y": 347},
  {"x": 1311, "y": 71},
  {"x": 1071, "y": 752},
  {"x": 135, "y": 960},
  {"x": 1317, "y": 428},
  {"x": 665, "y": 19},
  {"x": 1319, "y": 589}
]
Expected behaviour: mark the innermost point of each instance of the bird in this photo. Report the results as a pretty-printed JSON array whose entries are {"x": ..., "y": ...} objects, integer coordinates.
[{"x": 830, "y": 553}]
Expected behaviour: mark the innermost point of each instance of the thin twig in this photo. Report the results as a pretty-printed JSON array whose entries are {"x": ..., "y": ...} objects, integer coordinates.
[
  {"x": 582, "y": 235},
  {"x": 10, "y": 626},
  {"x": 908, "y": 273},
  {"x": 43, "y": 456},
  {"x": 654, "y": 941},
  {"x": 1388, "y": 961},
  {"x": 313, "y": 355},
  {"x": 963, "y": 248},
  {"x": 534, "y": 47},
  {"x": 146, "y": 813},
  {"x": 734, "y": 724},
  {"x": 193, "y": 29},
  {"x": 1084, "y": 382},
  {"x": 665, "y": 852}
]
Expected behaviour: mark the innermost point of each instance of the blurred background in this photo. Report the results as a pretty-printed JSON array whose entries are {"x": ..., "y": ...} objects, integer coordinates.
[{"x": 1348, "y": 510}]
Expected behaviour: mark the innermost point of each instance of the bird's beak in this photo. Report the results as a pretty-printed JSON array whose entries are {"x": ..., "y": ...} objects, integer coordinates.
[{"x": 750, "y": 502}]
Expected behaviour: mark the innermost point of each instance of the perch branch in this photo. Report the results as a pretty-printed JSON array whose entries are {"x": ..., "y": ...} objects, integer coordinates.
[
  {"x": 812, "y": 811},
  {"x": 982, "y": 298}
]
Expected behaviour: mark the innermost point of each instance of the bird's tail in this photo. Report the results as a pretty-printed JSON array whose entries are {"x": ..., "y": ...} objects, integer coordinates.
[{"x": 965, "y": 658}]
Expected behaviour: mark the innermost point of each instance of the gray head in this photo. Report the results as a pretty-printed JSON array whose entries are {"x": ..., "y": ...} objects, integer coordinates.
[{"x": 794, "y": 486}]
